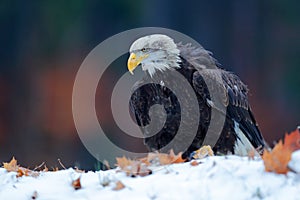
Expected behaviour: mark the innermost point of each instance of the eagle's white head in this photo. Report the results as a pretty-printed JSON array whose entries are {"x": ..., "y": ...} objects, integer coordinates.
[{"x": 154, "y": 52}]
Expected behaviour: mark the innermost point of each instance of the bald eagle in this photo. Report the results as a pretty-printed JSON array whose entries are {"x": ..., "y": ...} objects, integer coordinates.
[{"x": 159, "y": 56}]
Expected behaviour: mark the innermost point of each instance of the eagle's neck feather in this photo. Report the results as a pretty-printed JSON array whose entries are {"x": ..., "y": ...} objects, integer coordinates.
[{"x": 168, "y": 62}]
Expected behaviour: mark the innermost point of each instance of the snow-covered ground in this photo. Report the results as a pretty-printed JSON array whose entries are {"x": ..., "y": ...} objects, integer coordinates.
[{"x": 229, "y": 177}]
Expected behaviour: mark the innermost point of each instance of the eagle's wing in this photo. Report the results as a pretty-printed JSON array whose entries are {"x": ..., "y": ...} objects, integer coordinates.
[
  {"x": 239, "y": 108},
  {"x": 229, "y": 91}
]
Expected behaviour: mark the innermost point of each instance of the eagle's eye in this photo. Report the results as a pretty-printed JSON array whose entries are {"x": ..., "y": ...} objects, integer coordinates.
[{"x": 143, "y": 49}]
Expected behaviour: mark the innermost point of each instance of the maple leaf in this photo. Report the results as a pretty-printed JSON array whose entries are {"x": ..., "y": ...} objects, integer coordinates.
[
  {"x": 292, "y": 140},
  {"x": 11, "y": 166},
  {"x": 133, "y": 167},
  {"x": 123, "y": 162},
  {"x": 176, "y": 158},
  {"x": 165, "y": 159},
  {"x": 277, "y": 160},
  {"x": 140, "y": 167}
]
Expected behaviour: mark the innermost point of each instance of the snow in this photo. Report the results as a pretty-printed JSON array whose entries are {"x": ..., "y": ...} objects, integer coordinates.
[
  {"x": 217, "y": 177},
  {"x": 294, "y": 164}
]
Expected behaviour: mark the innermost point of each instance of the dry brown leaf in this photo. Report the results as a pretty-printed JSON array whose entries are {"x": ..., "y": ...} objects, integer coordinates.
[
  {"x": 194, "y": 163},
  {"x": 203, "y": 152},
  {"x": 55, "y": 169},
  {"x": 76, "y": 184},
  {"x": 165, "y": 159},
  {"x": 123, "y": 162},
  {"x": 140, "y": 167},
  {"x": 144, "y": 170},
  {"x": 23, "y": 172},
  {"x": 11, "y": 166},
  {"x": 292, "y": 141},
  {"x": 133, "y": 167},
  {"x": 176, "y": 158},
  {"x": 119, "y": 186},
  {"x": 45, "y": 169},
  {"x": 277, "y": 160}
]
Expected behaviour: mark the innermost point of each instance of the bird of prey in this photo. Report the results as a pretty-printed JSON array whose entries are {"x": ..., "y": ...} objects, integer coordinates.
[{"x": 159, "y": 56}]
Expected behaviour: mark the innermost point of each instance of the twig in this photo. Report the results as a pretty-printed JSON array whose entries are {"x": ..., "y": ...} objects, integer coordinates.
[
  {"x": 62, "y": 165},
  {"x": 37, "y": 167}
]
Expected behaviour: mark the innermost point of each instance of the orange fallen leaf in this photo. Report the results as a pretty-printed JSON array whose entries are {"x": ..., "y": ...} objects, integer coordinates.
[
  {"x": 143, "y": 169},
  {"x": 277, "y": 160},
  {"x": 194, "y": 163},
  {"x": 23, "y": 172},
  {"x": 292, "y": 140},
  {"x": 176, "y": 158},
  {"x": 123, "y": 162},
  {"x": 133, "y": 167},
  {"x": 11, "y": 166},
  {"x": 165, "y": 159},
  {"x": 140, "y": 166},
  {"x": 76, "y": 184},
  {"x": 119, "y": 186}
]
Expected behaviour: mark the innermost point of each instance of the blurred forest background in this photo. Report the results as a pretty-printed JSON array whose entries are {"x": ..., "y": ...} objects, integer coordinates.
[{"x": 44, "y": 42}]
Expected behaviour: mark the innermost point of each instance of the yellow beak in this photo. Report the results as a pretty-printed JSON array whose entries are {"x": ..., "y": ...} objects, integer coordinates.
[{"x": 134, "y": 61}]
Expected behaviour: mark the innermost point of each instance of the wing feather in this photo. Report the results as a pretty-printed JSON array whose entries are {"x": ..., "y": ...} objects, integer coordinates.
[{"x": 231, "y": 92}]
